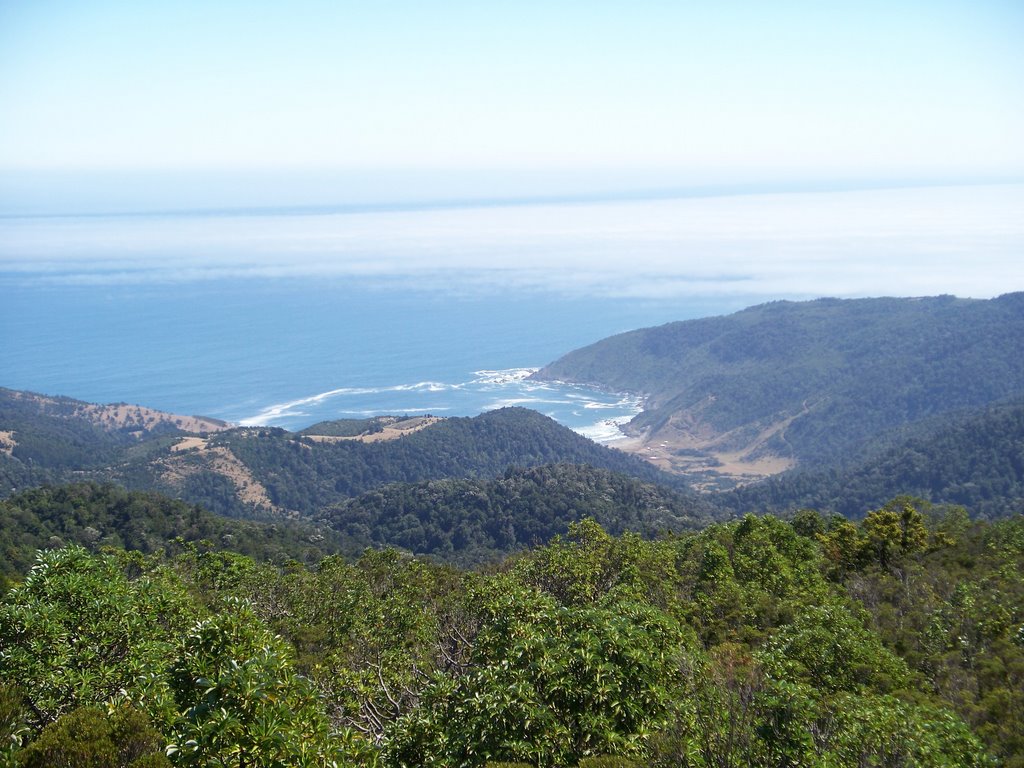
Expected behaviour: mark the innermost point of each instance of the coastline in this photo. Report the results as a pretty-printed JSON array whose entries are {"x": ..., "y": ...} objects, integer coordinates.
[{"x": 593, "y": 412}]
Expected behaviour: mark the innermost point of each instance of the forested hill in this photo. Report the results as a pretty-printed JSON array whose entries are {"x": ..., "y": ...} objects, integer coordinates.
[
  {"x": 805, "y": 383},
  {"x": 974, "y": 459},
  {"x": 97, "y": 516},
  {"x": 45, "y": 434},
  {"x": 244, "y": 472},
  {"x": 471, "y": 520},
  {"x": 300, "y": 473}
]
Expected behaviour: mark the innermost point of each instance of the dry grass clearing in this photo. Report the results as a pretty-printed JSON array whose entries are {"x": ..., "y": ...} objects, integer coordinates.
[
  {"x": 687, "y": 445},
  {"x": 121, "y": 416},
  {"x": 390, "y": 432},
  {"x": 219, "y": 459},
  {"x": 118, "y": 416}
]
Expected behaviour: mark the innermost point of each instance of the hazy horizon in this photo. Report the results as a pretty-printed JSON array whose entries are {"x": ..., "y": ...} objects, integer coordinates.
[
  {"x": 962, "y": 240},
  {"x": 143, "y": 191}
]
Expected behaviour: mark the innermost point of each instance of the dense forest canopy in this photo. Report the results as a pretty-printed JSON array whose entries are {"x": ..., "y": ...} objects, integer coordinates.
[
  {"x": 895, "y": 641},
  {"x": 93, "y": 515},
  {"x": 469, "y": 520},
  {"x": 973, "y": 458}
]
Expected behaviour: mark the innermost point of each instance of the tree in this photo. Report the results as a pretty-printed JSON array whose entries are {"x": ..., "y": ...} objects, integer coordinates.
[
  {"x": 547, "y": 684},
  {"x": 241, "y": 701},
  {"x": 78, "y": 631},
  {"x": 90, "y": 737},
  {"x": 895, "y": 530}
]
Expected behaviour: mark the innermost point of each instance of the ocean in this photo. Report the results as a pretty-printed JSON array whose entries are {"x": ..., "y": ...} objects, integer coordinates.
[
  {"x": 290, "y": 352},
  {"x": 286, "y": 317}
]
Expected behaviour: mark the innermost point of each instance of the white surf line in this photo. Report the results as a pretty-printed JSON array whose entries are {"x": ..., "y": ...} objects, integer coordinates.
[
  {"x": 606, "y": 431},
  {"x": 503, "y": 376},
  {"x": 280, "y": 410}
]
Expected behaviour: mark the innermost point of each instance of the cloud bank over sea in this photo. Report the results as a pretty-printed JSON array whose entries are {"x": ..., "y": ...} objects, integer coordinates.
[{"x": 965, "y": 240}]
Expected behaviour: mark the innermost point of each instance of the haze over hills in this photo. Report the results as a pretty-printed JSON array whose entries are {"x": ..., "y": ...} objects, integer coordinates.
[{"x": 736, "y": 398}]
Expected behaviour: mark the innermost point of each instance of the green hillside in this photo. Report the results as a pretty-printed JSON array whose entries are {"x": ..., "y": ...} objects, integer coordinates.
[
  {"x": 96, "y": 516},
  {"x": 974, "y": 459},
  {"x": 808, "y": 382},
  {"x": 468, "y": 520},
  {"x": 301, "y": 474},
  {"x": 268, "y": 472}
]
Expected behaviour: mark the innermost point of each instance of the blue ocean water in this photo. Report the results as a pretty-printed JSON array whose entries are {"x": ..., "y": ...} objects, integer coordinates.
[
  {"x": 287, "y": 317},
  {"x": 294, "y": 351}
]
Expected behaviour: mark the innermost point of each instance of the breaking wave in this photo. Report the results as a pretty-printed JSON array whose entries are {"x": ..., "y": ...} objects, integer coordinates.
[{"x": 572, "y": 405}]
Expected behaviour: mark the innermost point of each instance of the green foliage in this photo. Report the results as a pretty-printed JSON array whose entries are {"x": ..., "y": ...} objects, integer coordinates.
[
  {"x": 381, "y": 628},
  {"x": 579, "y": 568},
  {"x": 90, "y": 737},
  {"x": 973, "y": 458},
  {"x": 240, "y": 699},
  {"x": 747, "y": 643},
  {"x": 735, "y": 711},
  {"x": 894, "y": 531},
  {"x": 350, "y": 427},
  {"x": 740, "y": 581},
  {"x": 14, "y": 725},
  {"x": 827, "y": 648},
  {"x": 546, "y": 684},
  {"x": 608, "y": 761},
  {"x": 472, "y": 520},
  {"x": 885, "y": 731},
  {"x": 808, "y": 523},
  {"x": 952, "y": 611},
  {"x": 95, "y": 516},
  {"x": 78, "y": 631}
]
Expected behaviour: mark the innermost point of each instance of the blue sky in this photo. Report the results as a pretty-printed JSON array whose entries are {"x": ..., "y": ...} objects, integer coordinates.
[{"x": 593, "y": 93}]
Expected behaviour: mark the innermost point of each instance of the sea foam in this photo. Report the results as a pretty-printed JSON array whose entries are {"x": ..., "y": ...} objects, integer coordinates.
[{"x": 487, "y": 390}]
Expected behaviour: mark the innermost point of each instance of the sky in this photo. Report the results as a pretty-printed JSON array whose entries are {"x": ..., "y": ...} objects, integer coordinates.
[{"x": 406, "y": 94}]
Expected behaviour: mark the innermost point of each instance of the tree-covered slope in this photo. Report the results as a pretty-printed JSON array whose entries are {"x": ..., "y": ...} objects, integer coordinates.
[
  {"x": 302, "y": 474},
  {"x": 45, "y": 439},
  {"x": 974, "y": 458},
  {"x": 94, "y": 516},
  {"x": 459, "y": 521},
  {"x": 40, "y": 443},
  {"x": 466, "y": 520},
  {"x": 269, "y": 472},
  {"x": 808, "y": 381}
]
